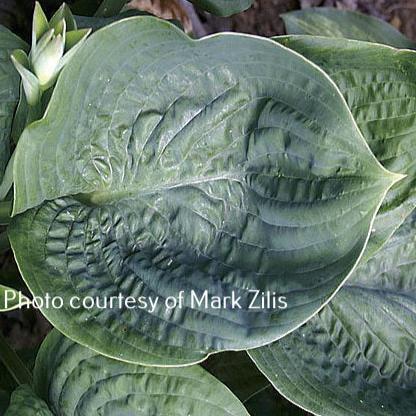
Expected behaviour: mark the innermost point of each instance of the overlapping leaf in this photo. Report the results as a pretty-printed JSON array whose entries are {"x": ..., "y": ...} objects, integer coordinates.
[
  {"x": 357, "y": 356},
  {"x": 9, "y": 92},
  {"x": 74, "y": 380},
  {"x": 24, "y": 402},
  {"x": 379, "y": 85},
  {"x": 214, "y": 167},
  {"x": 334, "y": 23}
]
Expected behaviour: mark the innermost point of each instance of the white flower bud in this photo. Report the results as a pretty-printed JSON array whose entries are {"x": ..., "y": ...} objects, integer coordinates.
[
  {"x": 53, "y": 45},
  {"x": 46, "y": 65}
]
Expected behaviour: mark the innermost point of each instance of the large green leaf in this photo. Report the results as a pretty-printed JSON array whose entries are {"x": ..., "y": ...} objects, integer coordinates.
[
  {"x": 74, "y": 380},
  {"x": 379, "y": 85},
  {"x": 9, "y": 91},
  {"x": 334, "y": 23},
  {"x": 218, "y": 166},
  {"x": 357, "y": 356},
  {"x": 223, "y": 7}
]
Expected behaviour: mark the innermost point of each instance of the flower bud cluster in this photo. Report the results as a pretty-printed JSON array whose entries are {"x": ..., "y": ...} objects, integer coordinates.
[{"x": 53, "y": 45}]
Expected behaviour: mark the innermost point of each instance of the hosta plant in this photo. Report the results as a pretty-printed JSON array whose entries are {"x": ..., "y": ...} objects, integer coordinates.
[{"x": 229, "y": 187}]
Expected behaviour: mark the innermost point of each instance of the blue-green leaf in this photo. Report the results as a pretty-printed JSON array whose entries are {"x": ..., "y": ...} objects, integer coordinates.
[
  {"x": 191, "y": 167},
  {"x": 75, "y": 381},
  {"x": 334, "y": 23},
  {"x": 378, "y": 84}
]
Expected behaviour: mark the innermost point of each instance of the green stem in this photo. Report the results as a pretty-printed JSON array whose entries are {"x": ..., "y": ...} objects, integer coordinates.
[
  {"x": 4, "y": 242},
  {"x": 5, "y": 212},
  {"x": 7, "y": 182},
  {"x": 34, "y": 112},
  {"x": 110, "y": 8},
  {"x": 14, "y": 364}
]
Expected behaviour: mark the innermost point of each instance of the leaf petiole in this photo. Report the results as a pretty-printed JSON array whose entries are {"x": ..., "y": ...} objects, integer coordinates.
[
  {"x": 14, "y": 364},
  {"x": 110, "y": 8},
  {"x": 5, "y": 212}
]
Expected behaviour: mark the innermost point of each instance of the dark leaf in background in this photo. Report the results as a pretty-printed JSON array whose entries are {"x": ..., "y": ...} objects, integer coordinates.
[
  {"x": 329, "y": 22},
  {"x": 238, "y": 372}
]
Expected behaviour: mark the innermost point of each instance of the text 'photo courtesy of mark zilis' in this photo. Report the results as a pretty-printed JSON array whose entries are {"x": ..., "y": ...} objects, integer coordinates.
[{"x": 258, "y": 300}]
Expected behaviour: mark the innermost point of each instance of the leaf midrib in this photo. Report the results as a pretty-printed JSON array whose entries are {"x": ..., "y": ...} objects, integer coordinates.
[
  {"x": 102, "y": 197},
  {"x": 99, "y": 198},
  {"x": 379, "y": 290}
]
